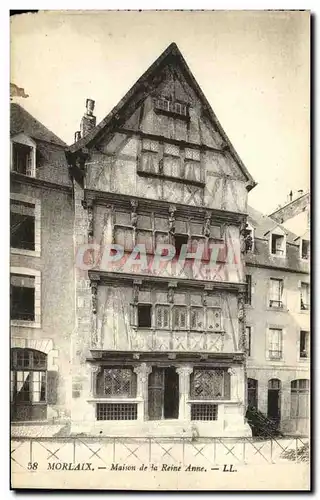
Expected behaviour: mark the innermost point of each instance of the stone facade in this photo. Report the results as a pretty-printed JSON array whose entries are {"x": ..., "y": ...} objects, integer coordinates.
[
  {"x": 50, "y": 262},
  {"x": 292, "y": 318}
]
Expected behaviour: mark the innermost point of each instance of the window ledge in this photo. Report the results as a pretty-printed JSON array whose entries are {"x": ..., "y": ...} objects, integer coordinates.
[
  {"x": 115, "y": 400},
  {"x": 277, "y": 309},
  {"x": 213, "y": 401},
  {"x": 28, "y": 253},
  {"x": 25, "y": 324}
]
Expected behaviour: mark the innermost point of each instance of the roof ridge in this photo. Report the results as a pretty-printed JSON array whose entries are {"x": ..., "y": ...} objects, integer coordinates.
[{"x": 58, "y": 141}]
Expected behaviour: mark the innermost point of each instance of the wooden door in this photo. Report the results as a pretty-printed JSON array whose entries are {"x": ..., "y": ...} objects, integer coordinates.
[{"x": 156, "y": 394}]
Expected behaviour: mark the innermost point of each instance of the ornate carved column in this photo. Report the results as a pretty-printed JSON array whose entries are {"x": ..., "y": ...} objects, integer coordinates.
[
  {"x": 95, "y": 341},
  {"x": 93, "y": 382},
  {"x": 88, "y": 205},
  {"x": 242, "y": 343},
  {"x": 172, "y": 220},
  {"x": 142, "y": 372},
  {"x": 206, "y": 226},
  {"x": 184, "y": 373},
  {"x": 234, "y": 384}
]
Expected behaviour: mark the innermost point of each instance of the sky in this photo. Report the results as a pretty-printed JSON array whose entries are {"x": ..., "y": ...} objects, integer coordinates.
[{"x": 253, "y": 67}]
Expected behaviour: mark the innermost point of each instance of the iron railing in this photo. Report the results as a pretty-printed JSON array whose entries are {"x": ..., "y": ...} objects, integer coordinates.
[{"x": 49, "y": 452}]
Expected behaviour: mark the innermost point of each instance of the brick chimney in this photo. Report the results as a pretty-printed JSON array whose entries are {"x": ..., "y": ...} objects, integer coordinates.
[{"x": 88, "y": 121}]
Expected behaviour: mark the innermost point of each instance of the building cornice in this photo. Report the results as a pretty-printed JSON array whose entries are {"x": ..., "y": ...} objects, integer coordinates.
[
  {"x": 109, "y": 278},
  {"x": 161, "y": 206},
  {"x": 277, "y": 268},
  {"x": 40, "y": 183}
]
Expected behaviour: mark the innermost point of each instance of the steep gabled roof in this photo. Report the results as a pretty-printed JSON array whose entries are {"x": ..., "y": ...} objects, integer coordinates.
[
  {"x": 22, "y": 122},
  {"x": 141, "y": 85}
]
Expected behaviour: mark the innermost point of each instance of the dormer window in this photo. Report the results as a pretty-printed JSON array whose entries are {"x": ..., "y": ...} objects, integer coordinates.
[
  {"x": 305, "y": 249},
  {"x": 23, "y": 155},
  {"x": 278, "y": 244}
]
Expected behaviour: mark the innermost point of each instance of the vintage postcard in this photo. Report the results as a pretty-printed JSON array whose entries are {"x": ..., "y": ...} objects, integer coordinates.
[{"x": 160, "y": 250}]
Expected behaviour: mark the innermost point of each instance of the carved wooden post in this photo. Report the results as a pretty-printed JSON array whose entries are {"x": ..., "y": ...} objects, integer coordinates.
[
  {"x": 184, "y": 373},
  {"x": 94, "y": 298},
  {"x": 172, "y": 220},
  {"x": 207, "y": 222},
  {"x": 242, "y": 322},
  {"x": 142, "y": 372},
  {"x": 134, "y": 218},
  {"x": 88, "y": 205}
]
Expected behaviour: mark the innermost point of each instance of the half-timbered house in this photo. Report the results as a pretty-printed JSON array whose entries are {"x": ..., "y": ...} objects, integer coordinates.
[{"x": 159, "y": 344}]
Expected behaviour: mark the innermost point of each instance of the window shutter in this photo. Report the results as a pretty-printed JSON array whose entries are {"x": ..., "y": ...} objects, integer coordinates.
[
  {"x": 52, "y": 387},
  {"x": 29, "y": 169}
]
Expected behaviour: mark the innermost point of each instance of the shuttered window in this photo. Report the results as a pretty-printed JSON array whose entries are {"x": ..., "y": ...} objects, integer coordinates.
[{"x": 300, "y": 398}]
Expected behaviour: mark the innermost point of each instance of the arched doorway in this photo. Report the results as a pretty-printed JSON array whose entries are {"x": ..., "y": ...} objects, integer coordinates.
[
  {"x": 274, "y": 400},
  {"x": 252, "y": 393}
]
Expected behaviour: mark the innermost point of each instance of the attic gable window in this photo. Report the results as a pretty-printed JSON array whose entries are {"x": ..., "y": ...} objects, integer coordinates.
[
  {"x": 23, "y": 155},
  {"x": 168, "y": 106}
]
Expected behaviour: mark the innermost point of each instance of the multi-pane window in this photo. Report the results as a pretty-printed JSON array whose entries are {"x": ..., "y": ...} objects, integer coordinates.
[
  {"x": 116, "y": 383},
  {"x": 248, "y": 338},
  {"x": 276, "y": 292},
  {"x": 305, "y": 249},
  {"x": 162, "y": 316},
  {"x": 176, "y": 310},
  {"x": 28, "y": 384},
  {"x": 304, "y": 344},
  {"x": 275, "y": 343},
  {"x": 169, "y": 106},
  {"x": 278, "y": 245},
  {"x": 180, "y": 317},
  {"x": 300, "y": 398},
  {"x": 209, "y": 384},
  {"x": 23, "y": 159},
  {"x": 304, "y": 297},
  {"x": 22, "y": 302},
  {"x": 248, "y": 289},
  {"x": 22, "y": 225},
  {"x": 152, "y": 230}
]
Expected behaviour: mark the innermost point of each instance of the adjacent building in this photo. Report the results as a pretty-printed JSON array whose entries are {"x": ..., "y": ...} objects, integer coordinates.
[
  {"x": 41, "y": 271},
  {"x": 278, "y": 324}
]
